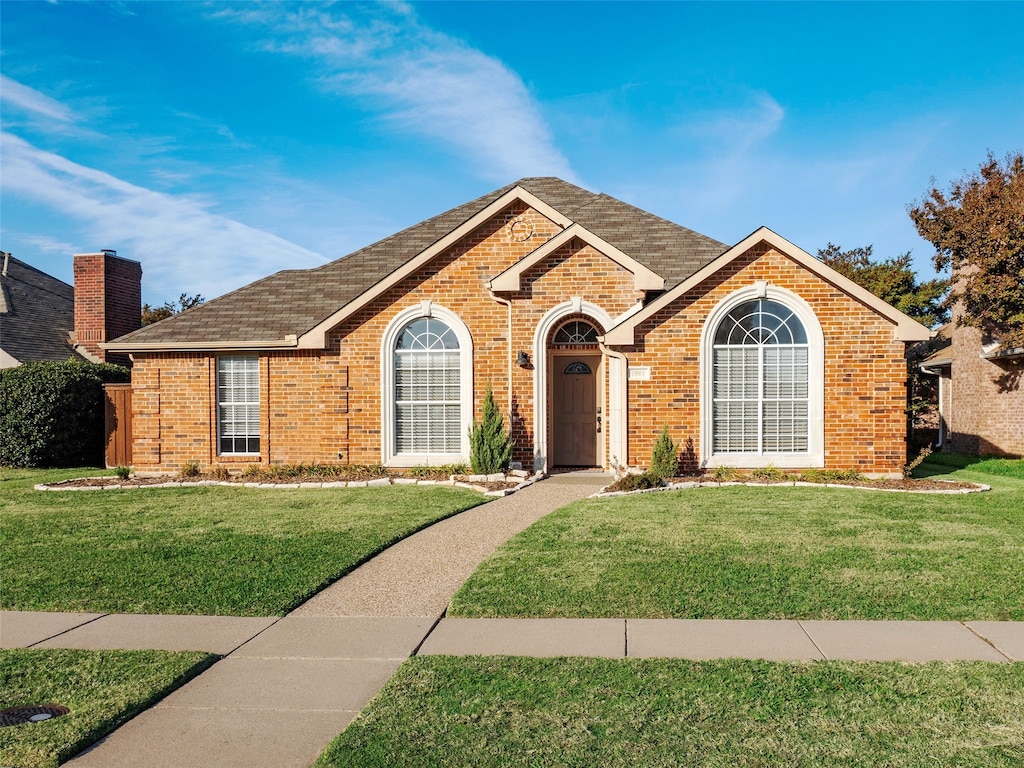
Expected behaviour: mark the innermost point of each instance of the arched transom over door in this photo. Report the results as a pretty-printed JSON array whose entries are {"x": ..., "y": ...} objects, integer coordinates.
[{"x": 575, "y": 384}]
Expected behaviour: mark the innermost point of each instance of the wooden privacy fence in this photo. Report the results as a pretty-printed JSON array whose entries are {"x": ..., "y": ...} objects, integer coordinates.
[{"x": 118, "y": 424}]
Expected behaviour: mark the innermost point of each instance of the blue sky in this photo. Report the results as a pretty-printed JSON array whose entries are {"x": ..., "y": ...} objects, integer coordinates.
[{"x": 220, "y": 142}]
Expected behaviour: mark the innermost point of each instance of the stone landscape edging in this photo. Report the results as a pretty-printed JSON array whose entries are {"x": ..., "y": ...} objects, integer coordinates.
[
  {"x": 684, "y": 486},
  {"x": 378, "y": 482}
]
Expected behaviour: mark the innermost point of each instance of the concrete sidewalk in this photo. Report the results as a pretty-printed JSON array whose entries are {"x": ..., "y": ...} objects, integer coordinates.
[
  {"x": 397, "y": 638},
  {"x": 296, "y": 683}
]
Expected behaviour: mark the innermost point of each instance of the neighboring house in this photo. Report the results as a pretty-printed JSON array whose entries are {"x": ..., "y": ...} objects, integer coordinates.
[
  {"x": 981, "y": 393},
  {"x": 43, "y": 318},
  {"x": 594, "y": 322}
]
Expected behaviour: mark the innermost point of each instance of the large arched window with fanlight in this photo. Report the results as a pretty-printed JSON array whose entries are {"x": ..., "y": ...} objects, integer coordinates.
[
  {"x": 427, "y": 387},
  {"x": 763, "y": 391},
  {"x": 761, "y": 380}
]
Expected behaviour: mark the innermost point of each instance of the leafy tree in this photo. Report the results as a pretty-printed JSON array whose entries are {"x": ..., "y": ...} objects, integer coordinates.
[
  {"x": 892, "y": 280},
  {"x": 490, "y": 448},
  {"x": 151, "y": 314},
  {"x": 977, "y": 228}
]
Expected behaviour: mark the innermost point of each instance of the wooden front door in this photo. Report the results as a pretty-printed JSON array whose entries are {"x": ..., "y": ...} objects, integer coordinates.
[{"x": 574, "y": 422}]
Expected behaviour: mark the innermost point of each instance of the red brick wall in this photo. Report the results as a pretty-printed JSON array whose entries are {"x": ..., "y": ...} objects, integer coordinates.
[
  {"x": 325, "y": 406},
  {"x": 865, "y": 369},
  {"x": 108, "y": 301},
  {"x": 984, "y": 400}
]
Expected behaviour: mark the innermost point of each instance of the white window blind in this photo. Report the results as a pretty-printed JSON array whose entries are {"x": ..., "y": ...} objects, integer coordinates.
[
  {"x": 238, "y": 404},
  {"x": 760, "y": 385},
  {"x": 428, "y": 389}
]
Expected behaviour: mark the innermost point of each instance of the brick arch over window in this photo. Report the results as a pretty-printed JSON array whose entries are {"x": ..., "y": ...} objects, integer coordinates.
[
  {"x": 426, "y": 383},
  {"x": 762, "y": 381}
]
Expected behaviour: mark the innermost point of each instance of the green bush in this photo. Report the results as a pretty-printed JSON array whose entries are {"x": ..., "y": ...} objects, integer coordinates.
[
  {"x": 51, "y": 414},
  {"x": 490, "y": 447},
  {"x": 665, "y": 457},
  {"x": 636, "y": 482},
  {"x": 769, "y": 474}
]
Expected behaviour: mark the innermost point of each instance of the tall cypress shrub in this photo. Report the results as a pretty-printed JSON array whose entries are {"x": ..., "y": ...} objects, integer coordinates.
[
  {"x": 664, "y": 457},
  {"x": 51, "y": 414},
  {"x": 490, "y": 447}
]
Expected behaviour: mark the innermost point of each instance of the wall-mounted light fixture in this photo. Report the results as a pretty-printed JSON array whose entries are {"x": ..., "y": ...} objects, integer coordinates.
[{"x": 522, "y": 359}]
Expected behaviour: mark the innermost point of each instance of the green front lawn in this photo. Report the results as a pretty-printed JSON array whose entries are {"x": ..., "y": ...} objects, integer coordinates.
[
  {"x": 770, "y": 553},
  {"x": 102, "y": 690},
  {"x": 501, "y": 711},
  {"x": 206, "y": 550}
]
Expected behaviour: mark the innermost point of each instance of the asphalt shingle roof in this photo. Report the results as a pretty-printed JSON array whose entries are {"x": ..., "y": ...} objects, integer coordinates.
[
  {"x": 37, "y": 312},
  {"x": 294, "y": 301}
]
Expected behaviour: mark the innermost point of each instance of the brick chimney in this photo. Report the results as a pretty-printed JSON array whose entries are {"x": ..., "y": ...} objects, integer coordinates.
[{"x": 108, "y": 302}]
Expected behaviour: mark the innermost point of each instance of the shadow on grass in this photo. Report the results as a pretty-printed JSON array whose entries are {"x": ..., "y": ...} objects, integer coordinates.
[{"x": 944, "y": 463}]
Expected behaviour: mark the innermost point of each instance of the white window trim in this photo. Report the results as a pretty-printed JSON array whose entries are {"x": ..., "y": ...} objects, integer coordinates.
[
  {"x": 389, "y": 456},
  {"x": 259, "y": 405},
  {"x": 553, "y": 318},
  {"x": 815, "y": 454}
]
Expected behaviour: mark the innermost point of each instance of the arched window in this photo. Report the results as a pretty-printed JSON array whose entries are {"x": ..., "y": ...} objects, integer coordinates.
[
  {"x": 428, "y": 397},
  {"x": 576, "y": 332},
  {"x": 426, "y": 387},
  {"x": 760, "y": 381}
]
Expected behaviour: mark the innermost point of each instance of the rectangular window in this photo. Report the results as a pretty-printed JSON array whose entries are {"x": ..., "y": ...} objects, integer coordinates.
[{"x": 238, "y": 404}]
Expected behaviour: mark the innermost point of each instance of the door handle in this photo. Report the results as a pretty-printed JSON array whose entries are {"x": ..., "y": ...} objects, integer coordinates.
[{"x": 598, "y": 423}]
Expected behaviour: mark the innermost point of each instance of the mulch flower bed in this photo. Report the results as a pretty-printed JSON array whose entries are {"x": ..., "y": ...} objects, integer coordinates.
[
  {"x": 332, "y": 478},
  {"x": 912, "y": 485}
]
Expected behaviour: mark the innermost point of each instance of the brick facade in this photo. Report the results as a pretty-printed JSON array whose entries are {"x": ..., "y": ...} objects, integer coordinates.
[
  {"x": 325, "y": 405},
  {"x": 982, "y": 399}
]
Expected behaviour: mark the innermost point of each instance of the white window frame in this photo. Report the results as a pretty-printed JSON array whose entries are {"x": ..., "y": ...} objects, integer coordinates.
[
  {"x": 814, "y": 456},
  {"x": 258, "y": 403},
  {"x": 389, "y": 455}
]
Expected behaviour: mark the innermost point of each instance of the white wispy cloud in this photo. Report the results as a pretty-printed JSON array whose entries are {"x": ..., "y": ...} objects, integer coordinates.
[
  {"x": 20, "y": 96},
  {"x": 422, "y": 81},
  {"x": 183, "y": 245}
]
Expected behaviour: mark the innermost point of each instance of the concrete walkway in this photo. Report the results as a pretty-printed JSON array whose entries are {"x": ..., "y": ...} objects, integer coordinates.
[
  {"x": 282, "y": 693},
  {"x": 287, "y": 686}
]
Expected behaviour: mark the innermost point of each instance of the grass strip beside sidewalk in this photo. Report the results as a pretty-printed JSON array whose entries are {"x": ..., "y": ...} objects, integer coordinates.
[
  {"x": 768, "y": 553},
  {"x": 208, "y": 550},
  {"x": 102, "y": 690},
  {"x": 499, "y": 711}
]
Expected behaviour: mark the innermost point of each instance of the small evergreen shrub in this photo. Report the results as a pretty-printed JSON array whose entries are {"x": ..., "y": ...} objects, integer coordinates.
[
  {"x": 490, "y": 447},
  {"x": 51, "y": 414},
  {"x": 724, "y": 474},
  {"x": 636, "y": 482},
  {"x": 122, "y": 472},
  {"x": 664, "y": 457},
  {"x": 220, "y": 473},
  {"x": 768, "y": 474}
]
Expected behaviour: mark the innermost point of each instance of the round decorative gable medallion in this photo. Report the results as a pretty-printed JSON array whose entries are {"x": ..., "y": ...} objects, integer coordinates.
[{"x": 520, "y": 229}]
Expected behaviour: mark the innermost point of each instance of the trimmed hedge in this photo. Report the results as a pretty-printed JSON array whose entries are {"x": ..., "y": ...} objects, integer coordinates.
[{"x": 51, "y": 414}]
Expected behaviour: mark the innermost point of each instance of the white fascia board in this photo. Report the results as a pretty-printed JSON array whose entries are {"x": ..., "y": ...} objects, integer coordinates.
[
  {"x": 316, "y": 337},
  {"x": 643, "y": 278},
  {"x": 905, "y": 328}
]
